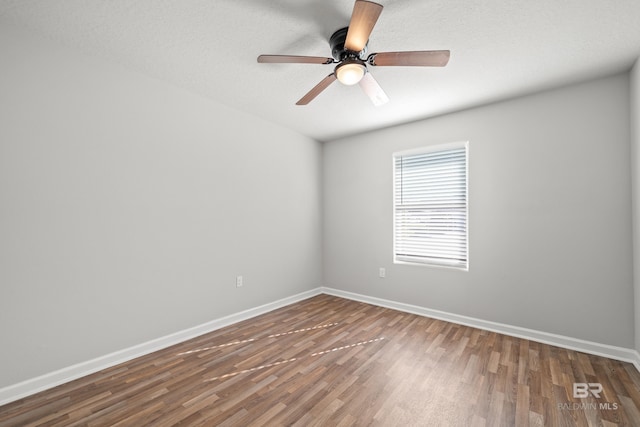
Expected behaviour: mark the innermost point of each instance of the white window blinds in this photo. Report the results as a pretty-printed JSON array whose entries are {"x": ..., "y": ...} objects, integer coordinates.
[{"x": 430, "y": 206}]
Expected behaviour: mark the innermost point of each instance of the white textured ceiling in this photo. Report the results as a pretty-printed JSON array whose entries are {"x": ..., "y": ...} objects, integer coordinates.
[{"x": 499, "y": 49}]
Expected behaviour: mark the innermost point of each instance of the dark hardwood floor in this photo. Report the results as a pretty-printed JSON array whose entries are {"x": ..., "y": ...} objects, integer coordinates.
[{"x": 328, "y": 361}]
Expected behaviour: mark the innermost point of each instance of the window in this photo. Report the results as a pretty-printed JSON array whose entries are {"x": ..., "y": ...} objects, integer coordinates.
[{"x": 430, "y": 206}]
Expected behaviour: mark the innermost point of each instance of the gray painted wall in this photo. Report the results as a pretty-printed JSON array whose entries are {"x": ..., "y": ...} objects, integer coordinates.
[
  {"x": 128, "y": 207},
  {"x": 550, "y": 214},
  {"x": 635, "y": 183}
]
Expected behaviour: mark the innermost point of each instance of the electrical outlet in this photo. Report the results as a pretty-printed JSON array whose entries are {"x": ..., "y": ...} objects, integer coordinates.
[
  {"x": 239, "y": 282},
  {"x": 382, "y": 272}
]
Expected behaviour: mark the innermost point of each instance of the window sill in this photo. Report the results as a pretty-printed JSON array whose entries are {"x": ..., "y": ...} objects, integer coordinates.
[{"x": 426, "y": 264}]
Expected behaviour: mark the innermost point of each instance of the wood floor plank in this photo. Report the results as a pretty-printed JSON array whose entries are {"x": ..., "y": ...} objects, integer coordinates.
[{"x": 332, "y": 361}]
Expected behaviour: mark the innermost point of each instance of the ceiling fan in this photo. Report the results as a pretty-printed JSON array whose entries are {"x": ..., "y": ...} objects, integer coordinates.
[{"x": 349, "y": 50}]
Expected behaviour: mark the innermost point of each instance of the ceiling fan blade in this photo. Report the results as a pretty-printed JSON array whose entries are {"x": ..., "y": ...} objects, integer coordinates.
[
  {"x": 324, "y": 83},
  {"x": 294, "y": 59},
  {"x": 373, "y": 90},
  {"x": 418, "y": 58},
  {"x": 363, "y": 18}
]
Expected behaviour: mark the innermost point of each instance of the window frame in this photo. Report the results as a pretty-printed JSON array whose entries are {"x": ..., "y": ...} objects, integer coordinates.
[{"x": 426, "y": 150}]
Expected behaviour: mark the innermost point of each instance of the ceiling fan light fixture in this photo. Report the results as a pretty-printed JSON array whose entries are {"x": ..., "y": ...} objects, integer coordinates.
[
  {"x": 350, "y": 72},
  {"x": 349, "y": 46}
]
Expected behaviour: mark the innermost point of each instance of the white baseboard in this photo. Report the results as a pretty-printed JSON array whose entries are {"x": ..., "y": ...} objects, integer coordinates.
[
  {"x": 610, "y": 351},
  {"x": 70, "y": 373},
  {"x": 52, "y": 379},
  {"x": 636, "y": 359}
]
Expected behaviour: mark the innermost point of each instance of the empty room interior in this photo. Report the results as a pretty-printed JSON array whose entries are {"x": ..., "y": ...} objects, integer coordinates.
[{"x": 319, "y": 212}]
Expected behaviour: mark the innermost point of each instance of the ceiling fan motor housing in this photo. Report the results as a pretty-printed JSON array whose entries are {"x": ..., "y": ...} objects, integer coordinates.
[{"x": 338, "y": 51}]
